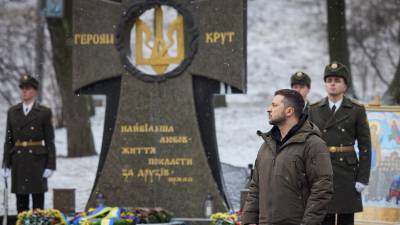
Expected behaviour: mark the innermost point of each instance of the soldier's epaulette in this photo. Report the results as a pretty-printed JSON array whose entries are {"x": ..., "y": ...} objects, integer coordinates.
[
  {"x": 41, "y": 106},
  {"x": 14, "y": 107},
  {"x": 356, "y": 102},
  {"x": 315, "y": 103},
  {"x": 45, "y": 106}
]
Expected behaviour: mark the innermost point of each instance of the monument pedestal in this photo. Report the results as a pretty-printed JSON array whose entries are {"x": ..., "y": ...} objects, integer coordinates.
[
  {"x": 160, "y": 152},
  {"x": 192, "y": 221},
  {"x": 64, "y": 200}
]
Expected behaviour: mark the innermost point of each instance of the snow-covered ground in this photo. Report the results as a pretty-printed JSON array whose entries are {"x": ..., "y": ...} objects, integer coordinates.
[
  {"x": 283, "y": 36},
  {"x": 76, "y": 173}
]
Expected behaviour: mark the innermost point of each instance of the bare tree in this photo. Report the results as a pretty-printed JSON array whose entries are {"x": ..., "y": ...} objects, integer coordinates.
[
  {"x": 337, "y": 37},
  {"x": 392, "y": 95},
  {"x": 17, "y": 56},
  {"x": 374, "y": 34},
  {"x": 39, "y": 43},
  {"x": 15, "y": 50},
  {"x": 75, "y": 110}
]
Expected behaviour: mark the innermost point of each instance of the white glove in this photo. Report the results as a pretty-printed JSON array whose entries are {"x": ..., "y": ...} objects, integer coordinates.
[
  {"x": 47, "y": 173},
  {"x": 360, "y": 187},
  {"x": 5, "y": 172}
]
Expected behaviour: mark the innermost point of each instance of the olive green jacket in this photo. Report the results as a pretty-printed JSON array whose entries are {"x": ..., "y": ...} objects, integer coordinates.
[{"x": 293, "y": 186}]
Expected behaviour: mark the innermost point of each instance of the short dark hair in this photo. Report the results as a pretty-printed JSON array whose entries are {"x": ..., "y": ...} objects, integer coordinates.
[{"x": 292, "y": 99}]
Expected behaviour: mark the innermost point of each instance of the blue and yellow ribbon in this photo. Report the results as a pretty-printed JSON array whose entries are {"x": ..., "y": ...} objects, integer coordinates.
[{"x": 106, "y": 214}]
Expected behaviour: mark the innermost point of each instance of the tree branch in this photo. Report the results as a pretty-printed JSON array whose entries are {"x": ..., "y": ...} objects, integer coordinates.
[{"x": 370, "y": 58}]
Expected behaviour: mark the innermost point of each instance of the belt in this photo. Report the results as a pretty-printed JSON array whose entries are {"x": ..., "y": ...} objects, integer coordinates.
[
  {"x": 334, "y": 149},
  {"x": 28, "y": 143}
]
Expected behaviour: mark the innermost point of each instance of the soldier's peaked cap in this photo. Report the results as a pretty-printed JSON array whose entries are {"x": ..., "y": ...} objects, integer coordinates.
[
  {"x": 338, "y": 70},
  {"x": 27, "y": 80},
  {"x": 300, "y": 78}
]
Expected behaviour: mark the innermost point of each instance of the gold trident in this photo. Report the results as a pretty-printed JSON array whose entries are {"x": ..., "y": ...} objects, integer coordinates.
[{"x": 159, "y": 59}]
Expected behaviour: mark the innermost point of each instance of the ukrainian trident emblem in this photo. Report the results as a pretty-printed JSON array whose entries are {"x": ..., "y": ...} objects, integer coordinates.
[
  {"x": 161, "y": 56},
  {"x": 156, "y": 40}
]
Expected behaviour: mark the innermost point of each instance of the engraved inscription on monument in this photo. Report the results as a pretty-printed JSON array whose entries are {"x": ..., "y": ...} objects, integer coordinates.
[
  {"x": 158, "y": 50},
  {"x": 157, "y": 167}
]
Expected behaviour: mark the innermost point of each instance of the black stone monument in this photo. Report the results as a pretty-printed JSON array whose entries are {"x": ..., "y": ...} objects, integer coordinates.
[{"x": 159, "y": 62}]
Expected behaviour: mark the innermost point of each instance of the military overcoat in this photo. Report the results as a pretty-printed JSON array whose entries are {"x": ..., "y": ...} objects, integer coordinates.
[
  {"x": 306, "y": 107},
  {"x": 342, "y": 129},
  {"x": 26, "y": 160}
]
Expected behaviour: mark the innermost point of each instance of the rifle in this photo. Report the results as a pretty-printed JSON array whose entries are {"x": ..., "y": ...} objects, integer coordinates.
[{"x": 5, "y": 203}]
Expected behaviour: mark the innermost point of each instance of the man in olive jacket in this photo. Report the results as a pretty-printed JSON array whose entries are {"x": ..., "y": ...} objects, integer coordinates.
[
  {"x": 343, "y": 121},
  {"x": 292, "y": 179},
  {"x": 29, "y": 150}
]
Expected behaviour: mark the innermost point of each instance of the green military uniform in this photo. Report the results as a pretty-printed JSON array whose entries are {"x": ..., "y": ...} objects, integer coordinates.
[
  {"x": 29, "y": 147},
  {"x": 306, "y": 109},
  {"x": 340, "y": 131}
]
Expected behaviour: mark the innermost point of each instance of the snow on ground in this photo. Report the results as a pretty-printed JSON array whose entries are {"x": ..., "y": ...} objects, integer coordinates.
[
  {"x": 236, "y": 128},
  {"x": 79, "y": 173},
  {"x": 283, "y": 37},
  {"x": 75, "y": 173}
]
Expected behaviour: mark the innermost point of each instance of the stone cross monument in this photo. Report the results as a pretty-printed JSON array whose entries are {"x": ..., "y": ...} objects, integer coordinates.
[{"x": 159, "y": 62}]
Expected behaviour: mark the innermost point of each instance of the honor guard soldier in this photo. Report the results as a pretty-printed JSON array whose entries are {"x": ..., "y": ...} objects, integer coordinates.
[
  {"x": 343, "y": 122},
  {"x": 29, "y": 150},
  {"x": 301, "y": 83}
]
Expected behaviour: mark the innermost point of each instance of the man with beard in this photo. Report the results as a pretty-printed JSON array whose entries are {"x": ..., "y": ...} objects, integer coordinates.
[
  {"x": 343, "y": 121},
  {"x": 29, "y": 150},
  {"x": 292, "y": 179}
]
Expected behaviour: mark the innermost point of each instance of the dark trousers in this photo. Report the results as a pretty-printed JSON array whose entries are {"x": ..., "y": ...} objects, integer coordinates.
[
  {"x": 342, "y": 219},
  {"x": 23, "y": 201}
]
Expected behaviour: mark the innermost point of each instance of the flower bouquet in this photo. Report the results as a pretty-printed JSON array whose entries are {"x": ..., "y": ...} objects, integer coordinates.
[
  {"x": 152, "y": 215},
  {"x": 121, "y": 216},
  {"x": 41, "y": 217},
  {"x": 229, "y": 218}
]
